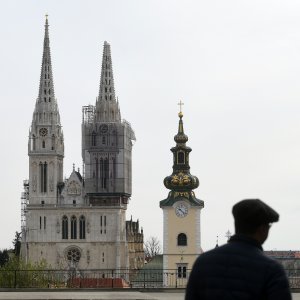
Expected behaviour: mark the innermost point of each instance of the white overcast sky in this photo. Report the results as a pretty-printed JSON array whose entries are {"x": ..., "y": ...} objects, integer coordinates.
[{"x": 235, "y": 65}]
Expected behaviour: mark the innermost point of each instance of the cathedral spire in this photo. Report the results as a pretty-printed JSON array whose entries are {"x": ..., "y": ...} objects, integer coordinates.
[
  {"x": 46, "y": 90},
  {"x": 46, "y": 125},
  {"x": 107, "y": 108}
]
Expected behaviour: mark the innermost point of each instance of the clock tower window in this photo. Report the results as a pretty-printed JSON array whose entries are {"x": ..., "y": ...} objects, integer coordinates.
[
  {"x": 181, "y": 270},
  {"x": 181, "y": 239}
]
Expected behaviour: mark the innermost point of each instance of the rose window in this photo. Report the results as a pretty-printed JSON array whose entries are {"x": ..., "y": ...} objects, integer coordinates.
[{"x": 73, "y": 255}]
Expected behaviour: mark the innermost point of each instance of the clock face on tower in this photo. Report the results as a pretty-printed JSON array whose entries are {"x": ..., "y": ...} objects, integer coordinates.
[
  {"x": 43, "y": 131},
  {"x": 181, "y": 210}
]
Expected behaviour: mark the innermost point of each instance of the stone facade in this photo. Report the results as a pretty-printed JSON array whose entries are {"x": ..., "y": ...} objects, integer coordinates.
[
  {"x": 79, "y": 222},
  {"x": 135, "y": 239}
]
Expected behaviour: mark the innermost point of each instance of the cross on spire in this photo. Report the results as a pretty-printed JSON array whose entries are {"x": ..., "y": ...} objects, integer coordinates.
[{"x": 180, "y": 104}]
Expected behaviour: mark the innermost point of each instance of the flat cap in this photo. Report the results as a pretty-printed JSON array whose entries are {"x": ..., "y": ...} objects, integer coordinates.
[{"x": 254, "y": 212}]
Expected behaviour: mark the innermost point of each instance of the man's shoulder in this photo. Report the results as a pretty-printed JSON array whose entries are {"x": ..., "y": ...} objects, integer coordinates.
[{"x": 237, "y": 249}]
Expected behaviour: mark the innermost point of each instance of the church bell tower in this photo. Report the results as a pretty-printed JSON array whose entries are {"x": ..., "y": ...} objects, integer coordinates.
[
  {"x": 106, "y": 153},
  {"x": 181, "y": 213},
  {"x": 46, "y": 142}
]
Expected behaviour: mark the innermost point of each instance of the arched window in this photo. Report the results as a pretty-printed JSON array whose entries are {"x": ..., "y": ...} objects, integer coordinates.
[
  {"x": 102, "y": 172},
  {"x": 106, "y": 173},
  {"x": 53, "y": 142},
  {"x": 64, "y": 227},
  {"x": 181, "y": 239},
  {"x": 43, "y": 177},
  {"x": 43, "y": 144},
  {"x": 93, "y": 139},
  {"x": 103, "y": 140},
  {"x": 73, "y": 228},
  {"x": 82, "y": 227},
  {"x": 180, "y": 157}
]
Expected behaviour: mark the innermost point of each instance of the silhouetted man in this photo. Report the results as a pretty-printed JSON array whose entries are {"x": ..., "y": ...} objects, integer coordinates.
[{"x": 240, "y": 270}]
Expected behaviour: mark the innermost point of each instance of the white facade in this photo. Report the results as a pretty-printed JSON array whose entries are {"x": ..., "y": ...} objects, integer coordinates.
[{"x": 80, "y": 222}]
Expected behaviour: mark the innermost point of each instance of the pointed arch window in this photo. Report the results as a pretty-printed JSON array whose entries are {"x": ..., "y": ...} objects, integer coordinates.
[
  {"x": 106, "y": 174},
  {"x": 103, "y": 140},
  {"x": 102, "y": 172},
  {"x": 33, "y": 142},
  {"x": 82, "y": 227},
  {"x": 53, "y": 142},
  {"x": 43, "y": 177},
  {"x": 114, "y": 168},
  {"x": 73, "y": 228},
  {"x": 181, "y": 239},
  {"x": 97, "y": 170},
  {"x": 43, "y": 144},
  {"x": 64, "y": 227},
  {"x": 93, "y": 138}
]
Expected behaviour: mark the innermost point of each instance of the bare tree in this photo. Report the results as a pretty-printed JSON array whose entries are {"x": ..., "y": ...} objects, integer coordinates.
[{"x": 152, "y": 247}]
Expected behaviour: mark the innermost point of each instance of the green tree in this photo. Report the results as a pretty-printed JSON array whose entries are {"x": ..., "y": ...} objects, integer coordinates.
[
  {"x": 17, "y": 243},
  {"x": 4, "y": 257}
]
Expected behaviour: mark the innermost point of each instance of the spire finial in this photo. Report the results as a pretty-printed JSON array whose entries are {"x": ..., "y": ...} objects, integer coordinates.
[
  {"x": 46, "y": 16},
  {"x": 73, "y": 167},
  {"x": 180, "y": 114},
  {"x": 228, "y": 235}
]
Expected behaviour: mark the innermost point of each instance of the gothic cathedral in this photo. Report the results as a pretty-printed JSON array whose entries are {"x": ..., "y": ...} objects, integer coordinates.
[
  {"x": 80, "y": 222},
  {"x": 181, "y": 212}
]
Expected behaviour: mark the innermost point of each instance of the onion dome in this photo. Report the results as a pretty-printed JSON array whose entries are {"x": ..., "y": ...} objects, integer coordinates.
[
  {"x": 180, "y": 137},
  {"x": 181, "y": 182}
]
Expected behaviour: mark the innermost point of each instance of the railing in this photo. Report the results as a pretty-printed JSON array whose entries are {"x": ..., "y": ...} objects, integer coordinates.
[{"x": 151, "y": 278}]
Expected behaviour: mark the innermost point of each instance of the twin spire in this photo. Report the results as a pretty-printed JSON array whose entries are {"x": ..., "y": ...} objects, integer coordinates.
[
  {"x": 107, "y": 107},
  {"x": 46, "y": 90}
]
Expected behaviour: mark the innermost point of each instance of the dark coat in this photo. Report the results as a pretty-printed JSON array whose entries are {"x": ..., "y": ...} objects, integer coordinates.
[{"x": 238, "y": 270}]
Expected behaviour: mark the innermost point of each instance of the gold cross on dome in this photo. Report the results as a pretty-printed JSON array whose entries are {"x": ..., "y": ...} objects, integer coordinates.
[{"x": 180, "y": 104}]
